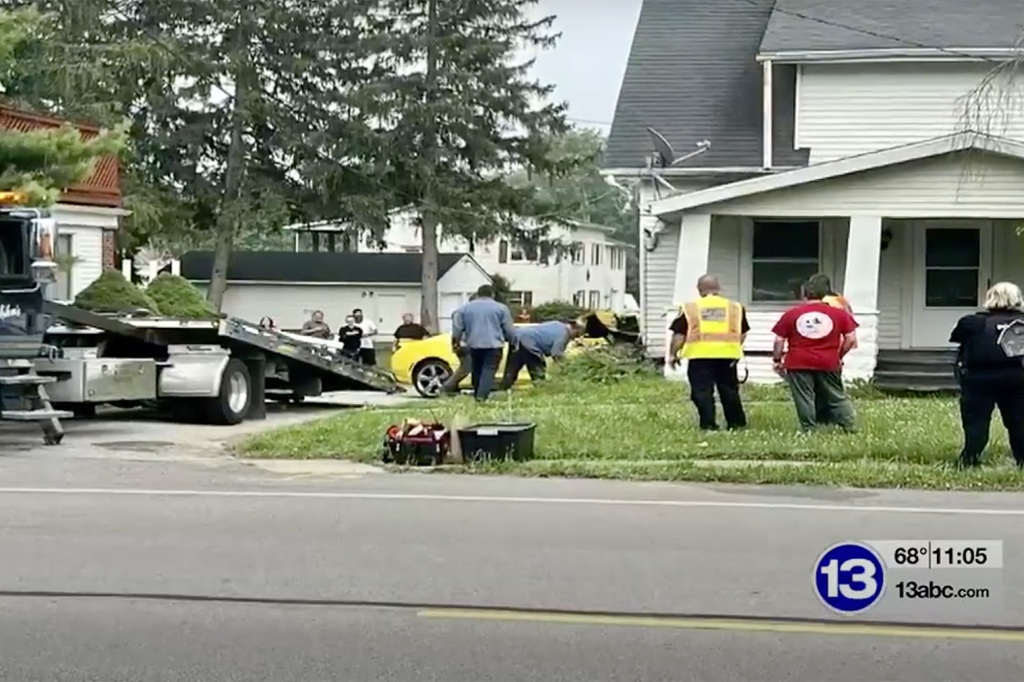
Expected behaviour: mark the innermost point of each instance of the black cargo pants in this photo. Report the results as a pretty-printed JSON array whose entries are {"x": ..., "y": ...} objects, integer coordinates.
[
  {"x": 706, "y": 375},
  {"x": 979, "y": 397}
]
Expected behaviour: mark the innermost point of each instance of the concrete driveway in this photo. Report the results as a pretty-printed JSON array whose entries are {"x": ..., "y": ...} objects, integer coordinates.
[{"x": 142, "y": 434}]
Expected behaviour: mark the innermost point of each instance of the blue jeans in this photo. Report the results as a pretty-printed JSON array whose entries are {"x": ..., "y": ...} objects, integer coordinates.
[{"x": 483, "y": 363}]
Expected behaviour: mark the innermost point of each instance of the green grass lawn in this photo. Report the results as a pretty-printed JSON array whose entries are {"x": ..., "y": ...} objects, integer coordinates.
[{"x": 645, "y": 429}]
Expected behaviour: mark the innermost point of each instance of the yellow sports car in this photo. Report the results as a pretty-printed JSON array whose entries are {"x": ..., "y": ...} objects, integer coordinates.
[{"x": 426, "y": 364}]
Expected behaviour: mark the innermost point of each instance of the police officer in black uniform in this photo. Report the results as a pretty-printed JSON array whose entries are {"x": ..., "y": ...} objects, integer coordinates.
[{"x": 988, "y": 377}]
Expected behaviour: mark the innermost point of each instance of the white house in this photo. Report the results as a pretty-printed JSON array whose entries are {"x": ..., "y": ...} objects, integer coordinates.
[
  {"x": 288, "y": 287},
  {"x": 863, "y": 156},
  {"x": 591, "y": 273},
  {"x": 87, "y": 214}
]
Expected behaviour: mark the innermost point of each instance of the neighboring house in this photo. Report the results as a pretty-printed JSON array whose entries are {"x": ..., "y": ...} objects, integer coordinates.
[
  {"x": 588, "y": 268},
  {"x": 861, "y": 154},
  {"x": 87, "y": 214},
  {"x": 289, "y": 286}
]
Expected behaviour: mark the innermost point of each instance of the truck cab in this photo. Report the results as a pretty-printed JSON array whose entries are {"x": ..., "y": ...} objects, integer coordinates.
[{"x": 27, "y": 268}]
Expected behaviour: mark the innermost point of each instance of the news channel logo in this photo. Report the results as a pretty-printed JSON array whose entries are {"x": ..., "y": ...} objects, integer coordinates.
[{"x": 849, "y": 578}]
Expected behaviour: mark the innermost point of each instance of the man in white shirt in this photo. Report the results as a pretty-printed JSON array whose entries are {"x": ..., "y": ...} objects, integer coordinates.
[{"x": 367, "y": 351}]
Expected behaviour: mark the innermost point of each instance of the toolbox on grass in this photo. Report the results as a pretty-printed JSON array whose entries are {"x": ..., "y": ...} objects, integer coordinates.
[
  {"x": 415, "y": 443},
  {"x": 497, "y": 442}
]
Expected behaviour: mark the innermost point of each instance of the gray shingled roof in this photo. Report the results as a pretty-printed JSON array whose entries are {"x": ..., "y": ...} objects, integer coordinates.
[
  {"x": 888, "y": 24},
  {"x": 692, "y": 75},
  {"x": 321, "y": 266}
]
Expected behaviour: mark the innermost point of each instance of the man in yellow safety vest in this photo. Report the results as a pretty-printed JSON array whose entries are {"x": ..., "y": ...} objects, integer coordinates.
[{"x": 709, "y": 334}]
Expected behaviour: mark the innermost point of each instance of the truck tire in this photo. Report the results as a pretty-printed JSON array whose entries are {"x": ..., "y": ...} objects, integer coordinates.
[{"x": 231, "y": 406}]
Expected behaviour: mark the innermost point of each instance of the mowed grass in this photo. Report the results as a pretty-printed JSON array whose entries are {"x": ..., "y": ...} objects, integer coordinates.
[{"x": 645, "y": 429}]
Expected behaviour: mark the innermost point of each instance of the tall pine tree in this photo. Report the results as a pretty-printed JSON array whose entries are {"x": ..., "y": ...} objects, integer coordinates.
[
  {"x": 454, "y": 113},
  {"x": 40, "y": 163}
]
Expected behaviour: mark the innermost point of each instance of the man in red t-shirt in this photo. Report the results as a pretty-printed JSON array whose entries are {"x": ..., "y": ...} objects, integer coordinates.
[{"x": 810, "y": 342}]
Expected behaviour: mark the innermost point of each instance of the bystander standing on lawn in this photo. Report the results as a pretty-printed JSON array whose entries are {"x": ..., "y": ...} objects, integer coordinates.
[
  {"x": 483, "y": 326},
  {"x": 811, "y": 340}
]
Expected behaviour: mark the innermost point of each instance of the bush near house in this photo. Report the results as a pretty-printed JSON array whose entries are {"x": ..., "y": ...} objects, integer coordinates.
[
  {"x": 635, "y": 425},
  {"x": 553, "y": 310}
]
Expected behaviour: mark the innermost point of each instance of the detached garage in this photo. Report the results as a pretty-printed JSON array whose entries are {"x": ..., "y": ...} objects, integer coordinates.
[{"x": 288, "y": 286}]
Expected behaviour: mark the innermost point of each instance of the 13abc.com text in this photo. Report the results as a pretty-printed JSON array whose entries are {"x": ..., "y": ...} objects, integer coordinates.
[{"x": 909, "y": 589}]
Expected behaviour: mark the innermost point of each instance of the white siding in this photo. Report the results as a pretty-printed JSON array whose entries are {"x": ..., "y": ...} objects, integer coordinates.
[
  {"x": 960, "y": 185},
  {"x": 847, "y": 109},
  {"x": 86, "y": 226},
  {"x": 555, "y": 281},
  {"x": 895, "y": 283},
  {"x": 658, "y": 274}
]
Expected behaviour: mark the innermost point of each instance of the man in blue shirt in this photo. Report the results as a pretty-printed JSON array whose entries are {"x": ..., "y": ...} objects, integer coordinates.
[
  {"x": 535, "y": 343},
  {"x": 483, "y": 326}
]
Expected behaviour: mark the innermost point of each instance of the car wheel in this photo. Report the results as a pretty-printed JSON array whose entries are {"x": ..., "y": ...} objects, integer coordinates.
[{"x": 429, "y": 376}]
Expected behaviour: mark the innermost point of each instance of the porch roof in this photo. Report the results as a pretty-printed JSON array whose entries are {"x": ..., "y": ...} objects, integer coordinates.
[{"x": 673, "y": 205}]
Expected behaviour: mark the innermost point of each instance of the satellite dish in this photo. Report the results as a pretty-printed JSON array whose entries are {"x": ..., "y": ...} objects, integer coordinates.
[{"x": 666, "y": 155}]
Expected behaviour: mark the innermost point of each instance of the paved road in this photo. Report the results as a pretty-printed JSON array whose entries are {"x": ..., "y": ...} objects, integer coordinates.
[{"x": 234, "y": 572}]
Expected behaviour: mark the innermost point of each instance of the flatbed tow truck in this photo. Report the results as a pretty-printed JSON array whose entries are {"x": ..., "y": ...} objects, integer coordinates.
[{"x": 59, "y": 361}]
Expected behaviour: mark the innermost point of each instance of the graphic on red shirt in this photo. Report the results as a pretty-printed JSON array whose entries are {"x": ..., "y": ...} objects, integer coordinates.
[{"x": 814, "y": 332}]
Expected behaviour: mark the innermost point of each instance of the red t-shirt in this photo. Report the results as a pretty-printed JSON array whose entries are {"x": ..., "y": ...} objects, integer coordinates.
[{"x": 814, "y": 333}]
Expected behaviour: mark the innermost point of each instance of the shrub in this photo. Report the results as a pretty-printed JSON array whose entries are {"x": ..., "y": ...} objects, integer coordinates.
[
  {"x": 602, "y": 365},
  {"x": 176, "y": 297},
  {"x": 556, "y": 310},
  {"x": 112, "y": 293}
]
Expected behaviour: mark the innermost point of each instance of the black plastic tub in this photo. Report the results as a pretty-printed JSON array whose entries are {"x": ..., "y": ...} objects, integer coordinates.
[{"x": 497, "y": 442}]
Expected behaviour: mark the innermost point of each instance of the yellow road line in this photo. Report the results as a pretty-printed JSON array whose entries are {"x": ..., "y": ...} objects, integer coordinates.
[{"x": 732, "y": 625}]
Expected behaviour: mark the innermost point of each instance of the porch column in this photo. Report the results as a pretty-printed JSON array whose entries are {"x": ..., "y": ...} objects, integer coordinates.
[
  {"x": 691, "y": 262},
  {"x": 863, "y": 258}
]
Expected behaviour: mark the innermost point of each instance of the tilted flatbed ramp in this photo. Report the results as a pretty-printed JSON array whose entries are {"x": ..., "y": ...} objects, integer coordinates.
[{"x": 321, "y": 359}]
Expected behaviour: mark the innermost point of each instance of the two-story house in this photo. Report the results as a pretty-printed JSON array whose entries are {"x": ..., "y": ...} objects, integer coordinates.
[
  {"x": 880, "y": 142},
  {"x": 588, "y": 267}
]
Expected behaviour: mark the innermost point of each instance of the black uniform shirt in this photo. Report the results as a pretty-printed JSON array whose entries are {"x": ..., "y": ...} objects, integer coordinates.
[
  {"x": 411, "y": 331},
  {"x": 350, "y": 338},
  {"x": 977, "y": 335},
  {"x": 679, "y": 325}
]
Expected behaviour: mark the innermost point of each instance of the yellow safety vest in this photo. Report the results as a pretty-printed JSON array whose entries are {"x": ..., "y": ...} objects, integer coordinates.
[{"x": 713, "y": 329}]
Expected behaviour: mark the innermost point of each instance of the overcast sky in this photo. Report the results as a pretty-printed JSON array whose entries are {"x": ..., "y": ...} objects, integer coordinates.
[{"x": 587, "y": 65}]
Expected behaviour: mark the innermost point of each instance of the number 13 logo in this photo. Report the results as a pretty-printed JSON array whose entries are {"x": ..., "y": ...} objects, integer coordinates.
[{"x": 849, "y": 578}]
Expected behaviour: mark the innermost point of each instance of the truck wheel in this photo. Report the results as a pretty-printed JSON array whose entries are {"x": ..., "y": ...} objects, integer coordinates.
[{"x": 231, "y": 406}]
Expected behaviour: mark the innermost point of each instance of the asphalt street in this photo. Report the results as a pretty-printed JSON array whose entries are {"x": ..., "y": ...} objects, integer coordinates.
[{"x": 122, "y": 568}]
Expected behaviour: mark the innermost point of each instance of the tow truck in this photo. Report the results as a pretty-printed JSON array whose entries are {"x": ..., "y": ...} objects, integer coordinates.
[{"x": 59, "y": 361}]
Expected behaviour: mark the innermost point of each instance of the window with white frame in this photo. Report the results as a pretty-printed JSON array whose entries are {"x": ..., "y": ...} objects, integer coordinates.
[
  {"x": 595, "y": 254},
  {"x": 578, "y": 254},
  {"x": 579, "y": 299},
  {"x": 784, "y": 254},
  {"x": 521, "y": 299},
  {"x": 65, "y": 258},
  {"x": 595, "y": 300}
]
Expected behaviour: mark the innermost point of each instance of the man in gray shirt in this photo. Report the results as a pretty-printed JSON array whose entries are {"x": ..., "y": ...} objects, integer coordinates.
[
  {"x": 483, "y": 326},
  {"x": 534, "y": 344}
]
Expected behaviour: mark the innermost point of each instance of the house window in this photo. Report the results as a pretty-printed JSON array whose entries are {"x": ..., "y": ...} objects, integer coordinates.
[
  {"x": 503, "y": 251},
  {"x": 579, "y": 299},
  {"x": 65, "y": 263},
  {"x": 595, "y": 254},
  {"x": 952, "y": 267},
  {"x": 784, "y": 255},
  {"x": 521, "y": 299},
  {"x": 577, "y": 253},
  {"x": 595, "y": 300}
]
